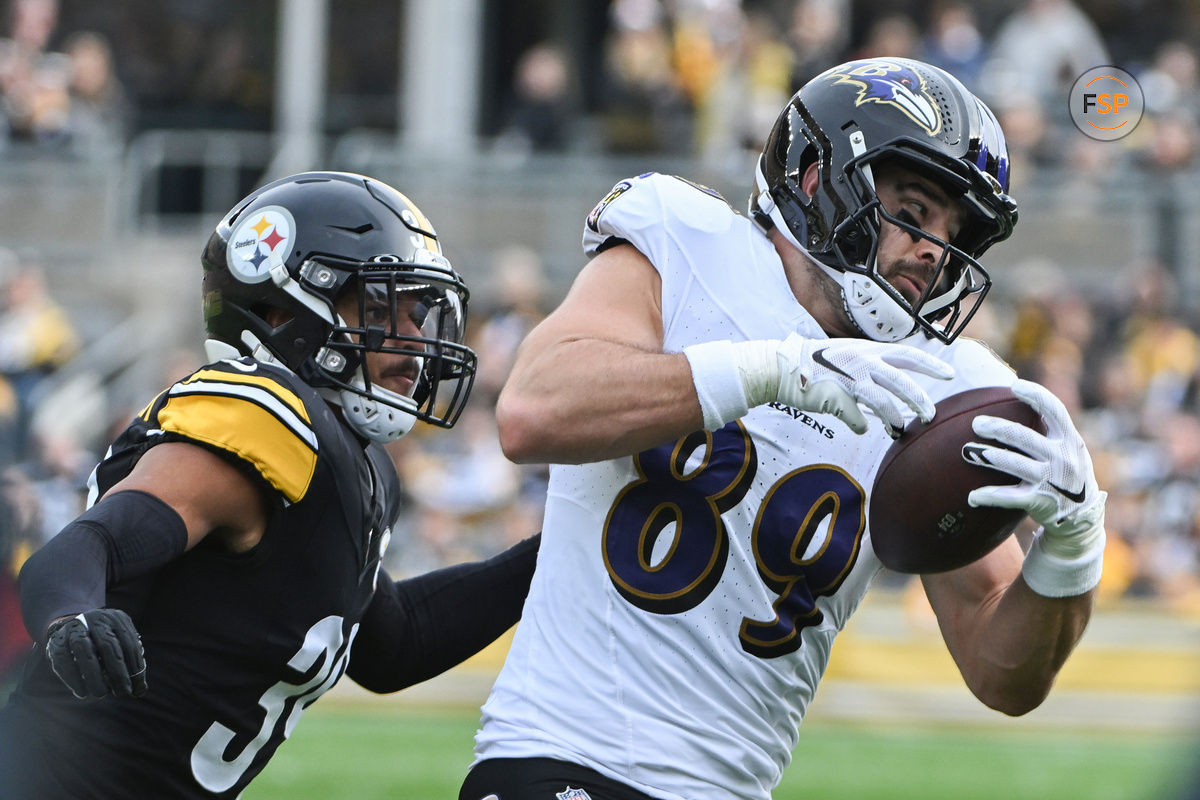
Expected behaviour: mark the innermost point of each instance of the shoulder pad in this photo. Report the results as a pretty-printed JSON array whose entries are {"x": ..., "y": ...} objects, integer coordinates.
[
  {"x": 250, "y": 412},
  {"x": 653, "y": 201},
  {"x": 975, "y": 364}
]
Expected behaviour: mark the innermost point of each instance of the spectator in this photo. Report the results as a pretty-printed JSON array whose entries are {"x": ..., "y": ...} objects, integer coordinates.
[
  {"x": 955, "y": 43},
  {"x": 541, "y": 110},
  {"x": 34, "y": 82},
  {"x": 1168, "y": 542},
  {"x": 645, "y": 109},
  {"x": 894, "y": 35},
  {"x": 1172, "y": 84},
  {"x": 36, "y": 337},
  {"x": 754, "y": 81},
  {"x": 818, "y": 35},
  {"x": 99, "y": 110},
  {"x": 519, "y": 291},
  {"x": 1040, "y": 50}
]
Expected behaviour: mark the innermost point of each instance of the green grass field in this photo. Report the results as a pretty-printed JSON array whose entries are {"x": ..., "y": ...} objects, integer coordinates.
[{"x": 396, "y": 754}]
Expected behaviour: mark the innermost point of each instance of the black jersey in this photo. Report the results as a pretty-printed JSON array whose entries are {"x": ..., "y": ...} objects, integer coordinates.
[{"x": 237, "y": 645}]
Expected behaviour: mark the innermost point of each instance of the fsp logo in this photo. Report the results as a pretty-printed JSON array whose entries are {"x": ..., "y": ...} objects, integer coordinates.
[{"x": 1106, "y": 103}]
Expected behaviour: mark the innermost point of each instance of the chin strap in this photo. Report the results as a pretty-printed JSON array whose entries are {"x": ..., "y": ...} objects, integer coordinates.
[
  {"x": 872, "y": 310},
  {"x": 374, "y": 420}
]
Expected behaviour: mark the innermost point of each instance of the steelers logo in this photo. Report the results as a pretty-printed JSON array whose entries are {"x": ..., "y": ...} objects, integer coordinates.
[{"x": 261, "y": 241}]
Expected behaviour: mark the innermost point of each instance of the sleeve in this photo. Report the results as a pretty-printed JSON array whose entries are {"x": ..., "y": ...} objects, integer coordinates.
[
  {"x": 248, "y": 414},
  {"x": 655, "y": 213},
  {"x": 679, "y": 226},
  {"x": 975, "y": 365},
  {"x": 125, "y": 535},
  {"x": 418, "y": 628}
]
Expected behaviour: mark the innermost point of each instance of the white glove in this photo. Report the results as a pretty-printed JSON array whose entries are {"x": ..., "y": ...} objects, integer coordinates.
[
  {"x": 1057, "y": 487},
  {"x": 824, "y": 376}
]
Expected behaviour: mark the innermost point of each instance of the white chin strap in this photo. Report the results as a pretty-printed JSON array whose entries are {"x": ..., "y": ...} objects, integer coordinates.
[
  {"x": 874, "y": 311},
  {"x": 372, "y": 419}
]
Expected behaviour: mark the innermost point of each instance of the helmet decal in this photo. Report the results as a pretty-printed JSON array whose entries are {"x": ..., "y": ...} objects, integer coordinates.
[
  {"x": 340, "y": 278},
  {"x": 259, "y": 243},
  {"x": 896, "y": 85}
]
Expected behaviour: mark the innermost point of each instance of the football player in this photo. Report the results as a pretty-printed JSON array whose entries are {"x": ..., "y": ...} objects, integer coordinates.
[
  {"x": 227, "y": 572},
  {"x": 724, "y": 388}
]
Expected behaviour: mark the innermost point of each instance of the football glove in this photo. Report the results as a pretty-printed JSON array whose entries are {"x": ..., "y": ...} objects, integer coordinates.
[
  {"x": 97, "y": 653},
  {"x": 1057, "y": 484},
  {"x": 835, "y": 376}
]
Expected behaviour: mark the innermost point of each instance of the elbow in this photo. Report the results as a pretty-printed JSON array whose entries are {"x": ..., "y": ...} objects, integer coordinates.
[
  {"x": 1013, "y": 698},
  {"x": 522, "y": 430},
  {"x": 376, "y": 688}
]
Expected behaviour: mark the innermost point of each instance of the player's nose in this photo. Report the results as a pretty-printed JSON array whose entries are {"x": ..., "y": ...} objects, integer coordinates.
[{"x": 929, "y": 249}]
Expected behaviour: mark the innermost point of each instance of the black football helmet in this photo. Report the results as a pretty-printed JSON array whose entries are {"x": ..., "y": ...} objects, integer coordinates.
[
  {"x": 298, "y": 246},
  {"x": 863, "y": 113}
]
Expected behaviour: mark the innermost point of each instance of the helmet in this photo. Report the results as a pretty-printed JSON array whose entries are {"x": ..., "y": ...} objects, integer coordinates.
[
  {"x": 277, "y": 265},
  {"x": 863, "y": 113}
]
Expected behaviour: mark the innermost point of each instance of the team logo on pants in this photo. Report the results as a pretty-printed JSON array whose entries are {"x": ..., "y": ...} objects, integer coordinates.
[{"x": 573, "y": 794}]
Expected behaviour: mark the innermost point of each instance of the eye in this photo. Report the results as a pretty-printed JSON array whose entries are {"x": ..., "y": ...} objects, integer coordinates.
[
  {"x": 918, "y": 208},
  {"x": 376, "y": 314}
]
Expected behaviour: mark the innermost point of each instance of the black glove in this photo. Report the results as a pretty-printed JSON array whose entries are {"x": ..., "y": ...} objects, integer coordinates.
[{"x": 98, "y": 652}]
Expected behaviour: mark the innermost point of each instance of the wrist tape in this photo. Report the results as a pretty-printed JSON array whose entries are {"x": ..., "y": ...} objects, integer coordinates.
[
  {"x": 1053, "y": 576},
  {"x": 718, "y": 383}
]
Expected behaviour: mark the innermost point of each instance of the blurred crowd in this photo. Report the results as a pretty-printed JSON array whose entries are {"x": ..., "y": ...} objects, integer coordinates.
[
  {"x": 705, "y": 78},
  {"x": 66, "y": 99},
  {"x": 702, "y": 79}
]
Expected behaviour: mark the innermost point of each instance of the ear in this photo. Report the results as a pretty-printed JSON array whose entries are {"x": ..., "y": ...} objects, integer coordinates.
[{"x": 808, "y": 184}]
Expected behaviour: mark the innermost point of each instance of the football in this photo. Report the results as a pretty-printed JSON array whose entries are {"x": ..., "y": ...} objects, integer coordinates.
[{"x": 919, "y": 517}]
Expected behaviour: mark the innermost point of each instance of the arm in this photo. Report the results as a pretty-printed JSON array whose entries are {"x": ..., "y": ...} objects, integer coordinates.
[
  {"x": 1010, "y": 622},
  {"x": 592, "y": 382},
  {"x": 1008, "y": 641},
  {"x": 176, "y": 495},
  {"x": 211, "y": 495},
  {"x": 418, "y": 628}
]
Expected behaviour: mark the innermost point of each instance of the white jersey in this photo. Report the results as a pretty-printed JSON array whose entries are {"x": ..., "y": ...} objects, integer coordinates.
[{"x": 686, "y": 598}]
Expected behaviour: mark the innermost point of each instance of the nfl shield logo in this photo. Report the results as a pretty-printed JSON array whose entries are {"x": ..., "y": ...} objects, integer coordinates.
[{"x": 573, "y": 794}]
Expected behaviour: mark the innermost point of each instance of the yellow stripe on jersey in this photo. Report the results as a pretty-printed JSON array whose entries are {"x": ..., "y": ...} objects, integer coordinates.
[
  {"x": 250, "y": 419},
  {"x": 144, "y": 414},
  {"x": 274, "y": 387}
]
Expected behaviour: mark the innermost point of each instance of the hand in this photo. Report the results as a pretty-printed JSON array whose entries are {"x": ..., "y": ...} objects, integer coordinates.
[
  {"x": 1057, "y": 484},
  {"x": 834, "y": 376},
  {"x": 98, "y": 652}
]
